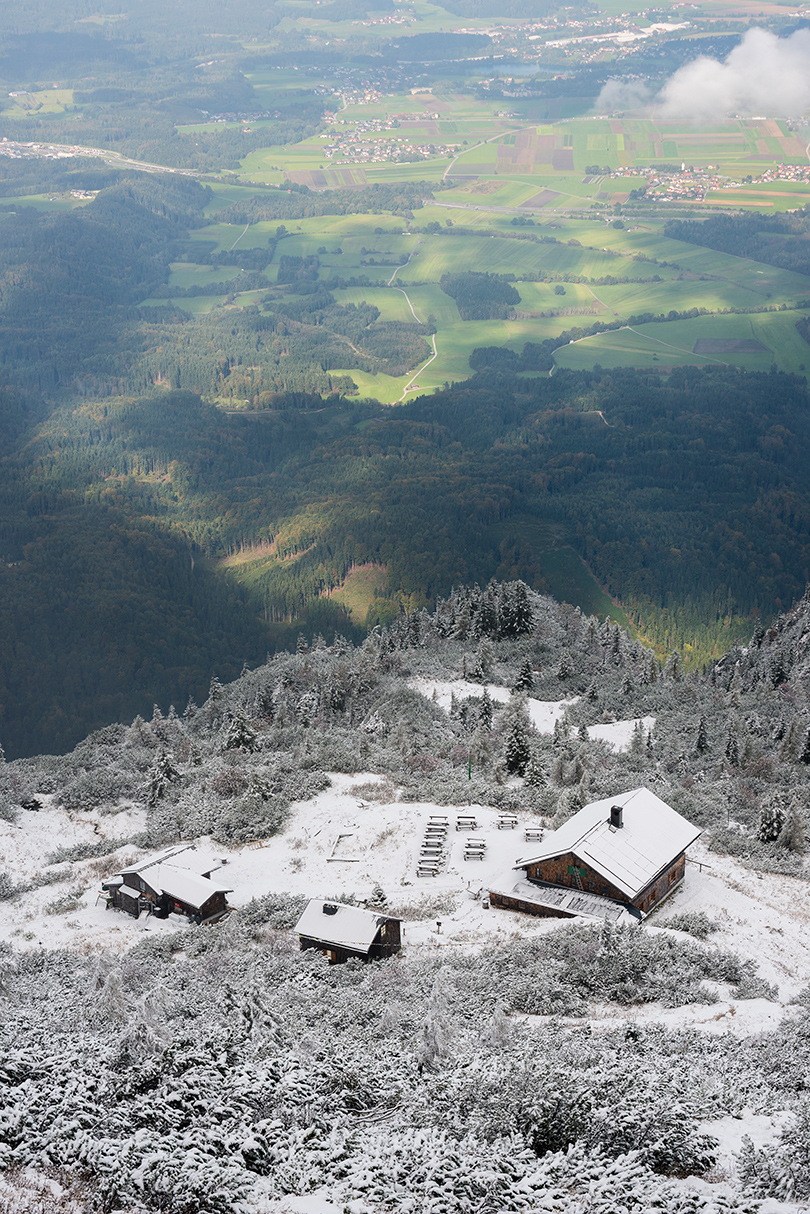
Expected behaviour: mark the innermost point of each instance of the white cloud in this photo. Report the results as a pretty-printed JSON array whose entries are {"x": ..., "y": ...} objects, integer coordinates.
[
  {"x": 623, "y": 95},
  {"x": 763, "y": 75}
]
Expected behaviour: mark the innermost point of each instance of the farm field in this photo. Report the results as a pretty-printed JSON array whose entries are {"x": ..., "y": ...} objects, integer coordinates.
[
  {"x": 376, "y": 247},
  {"x": 442, "y": 254},
  {"x": 43, "y": 101},
  {"x": 765, "y": 196},
  {"x": 752, "y": 343},
  {"x": 392, "y": 303},
  {"x": 736, "y": 148},
  {"x": 513, "y": 166},
  {"x": 45, "y": 202}
]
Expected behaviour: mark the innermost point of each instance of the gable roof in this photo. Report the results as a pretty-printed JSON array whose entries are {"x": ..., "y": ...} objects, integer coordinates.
[
  {"x": 651, "y": 836},
  {"x": 177, "y": 871},
  {"x": 183, "y": 885},
  {"x": 344, "y": 926},
  {"x": 183, "y": 855}
]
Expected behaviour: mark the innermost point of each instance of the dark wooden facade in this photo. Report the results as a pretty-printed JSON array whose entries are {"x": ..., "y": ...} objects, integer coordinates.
[
  {"x": 510, "y": 902},
  {"x": 386, "y": 943},
  {"x": 571, "y": 870},
  {"x": 161, "y": 903}
]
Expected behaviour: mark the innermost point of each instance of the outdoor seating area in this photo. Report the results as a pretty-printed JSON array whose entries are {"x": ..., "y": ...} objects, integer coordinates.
[
  {"x": 433, "y": 849},
  {"x": 475, "y": 849}
]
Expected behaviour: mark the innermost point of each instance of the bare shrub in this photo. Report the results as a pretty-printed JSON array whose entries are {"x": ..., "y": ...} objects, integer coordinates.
[
  {"x": 68, "y": 902},
  {"x": 426, "y": 907},
  {"x": 383, "y": 792},
  {"x": 229, "y": 783}
]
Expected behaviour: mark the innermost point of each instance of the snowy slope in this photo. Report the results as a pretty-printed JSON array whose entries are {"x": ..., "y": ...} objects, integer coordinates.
[{"x": 544, "y": 714}]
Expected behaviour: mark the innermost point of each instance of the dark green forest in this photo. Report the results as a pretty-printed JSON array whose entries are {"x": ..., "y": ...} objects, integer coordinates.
[
  {"x": 480, "y": 296},
  {"x": 688, "y": 499},
  {"x": 148, "y": 537}
]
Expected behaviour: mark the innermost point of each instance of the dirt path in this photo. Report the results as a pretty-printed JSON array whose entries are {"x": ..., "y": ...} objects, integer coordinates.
[
  {"x": 239, "y": 237},
  {"x": 402, "y": 291},
  {"x": 419, "y": 370},
  {"x": 513, "y": 131}
]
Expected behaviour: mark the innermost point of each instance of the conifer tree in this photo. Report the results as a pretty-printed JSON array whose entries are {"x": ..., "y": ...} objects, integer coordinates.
[
  {"x": 516, "y": 617},
  {"x": 771, "y": 821},
  {"x": 735, "y": 690},
  {"x": 525, "y": 678},
  {"x": 240, "y": 734},
  {"x": 702, "y": 740},
  {"x": 792, "y": 835},
  {"x": 487, "y": 710},
  {"x": 674, "y": 667},
  {"x": 517, "y": 748},
  {"x": 160, "y": 777},
  {"x": 535, "y": 772},
  {"x": 804, "y": 757}
]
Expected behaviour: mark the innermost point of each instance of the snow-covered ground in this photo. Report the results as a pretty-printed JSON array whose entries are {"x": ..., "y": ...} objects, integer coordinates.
[
  {"x": 356, "y": 835},
  {"x": 544, "y": 714}
]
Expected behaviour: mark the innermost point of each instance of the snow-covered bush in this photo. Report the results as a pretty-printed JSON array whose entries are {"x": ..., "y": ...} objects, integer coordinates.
[
  {"x": 276, "y": 909},
  {"x": 101, "y": 786},
  {"x": 696, "y": 923},
  {"x": 782, "y": 1169},
  {"x": 7, "y": 887}
]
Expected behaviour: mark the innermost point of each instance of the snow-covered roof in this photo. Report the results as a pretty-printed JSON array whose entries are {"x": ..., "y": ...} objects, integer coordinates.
[
  {"x": 567, "y": 901},
  {"x": 183, "y": 885},
  {"x": 652, "y": 834},
  {"x": 183, "y": 855},
  {"x": 345, "y": 926},
  {"x": 128, "y": 891}
]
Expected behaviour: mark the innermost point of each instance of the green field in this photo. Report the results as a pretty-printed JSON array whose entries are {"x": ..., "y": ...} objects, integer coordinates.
[
  {"x": 511, "y": 166},
  {"x": 40, "y": 102},
  {"x": 693, "y": 278},
  {"x": 45, "y": 202},
  {"x": 360, "y": 588},
  {"x": 671, "y": 343},
  {"x": 570, "y": 581}
]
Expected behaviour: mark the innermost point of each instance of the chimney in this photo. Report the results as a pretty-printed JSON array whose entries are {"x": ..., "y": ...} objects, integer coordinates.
[{"x": 616, "y": 817}]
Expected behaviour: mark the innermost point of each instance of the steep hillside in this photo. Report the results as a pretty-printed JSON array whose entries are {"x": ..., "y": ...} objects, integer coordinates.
[{"x": 180, "y": 1068}]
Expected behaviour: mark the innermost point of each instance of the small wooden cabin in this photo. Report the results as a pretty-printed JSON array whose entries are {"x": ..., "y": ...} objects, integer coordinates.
[
  {"x": 628, "y": 849},
  {"x": 341, "y": 931},
  {"x": 175, "y": 882}
]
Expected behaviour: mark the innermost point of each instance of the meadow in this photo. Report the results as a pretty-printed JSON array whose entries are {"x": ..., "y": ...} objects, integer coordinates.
[
  {"x": 404, "y": 263},
  {"x": 702, "y": 341}
]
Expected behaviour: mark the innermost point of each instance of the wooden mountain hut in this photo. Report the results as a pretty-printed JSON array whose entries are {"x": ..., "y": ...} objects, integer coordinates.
[
  {"x": 175, "y": 882},
  {"x": 626, "y": 851},
  {"x": 341, "y": 931}
]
